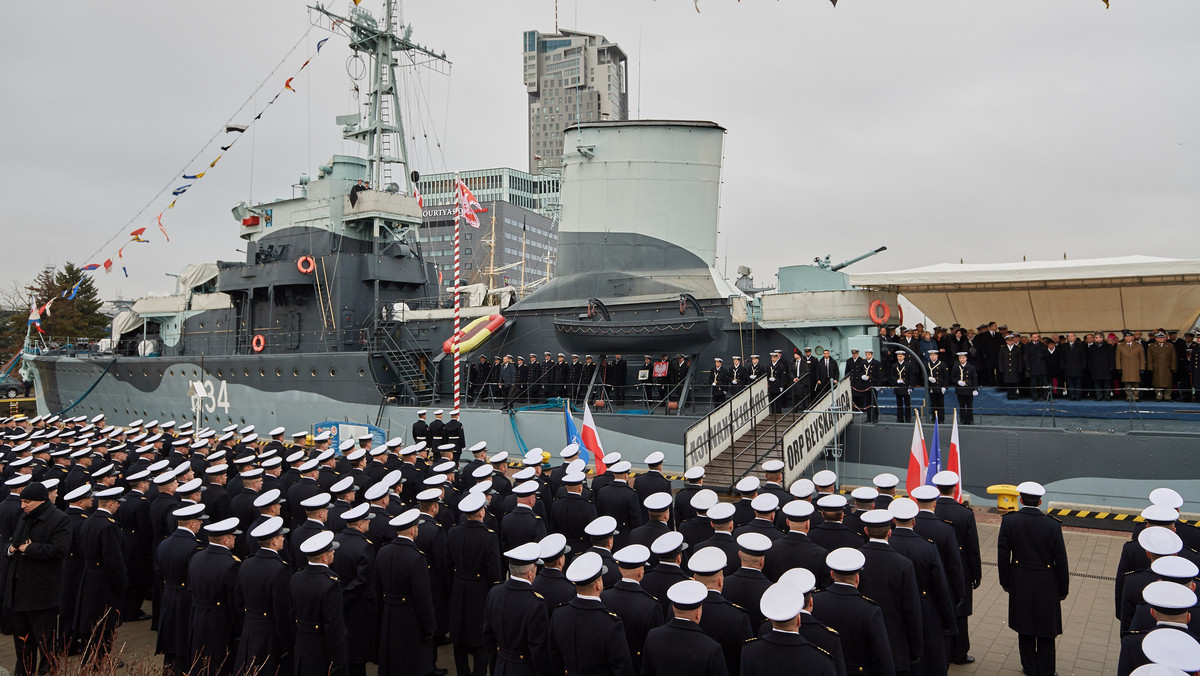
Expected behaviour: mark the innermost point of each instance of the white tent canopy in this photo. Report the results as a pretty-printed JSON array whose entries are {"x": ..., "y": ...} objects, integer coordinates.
[{"x": 1109, "y": 294}]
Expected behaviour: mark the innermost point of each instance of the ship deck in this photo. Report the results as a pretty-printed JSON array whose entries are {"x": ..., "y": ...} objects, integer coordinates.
[{"x": 1089, "y": 644}]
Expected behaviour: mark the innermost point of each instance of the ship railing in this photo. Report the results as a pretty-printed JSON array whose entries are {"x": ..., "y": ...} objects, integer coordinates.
[{"x": 772, "y": 437}]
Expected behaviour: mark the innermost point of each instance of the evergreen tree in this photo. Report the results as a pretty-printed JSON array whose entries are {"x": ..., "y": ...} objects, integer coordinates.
[{"x": 79, "y": 317}]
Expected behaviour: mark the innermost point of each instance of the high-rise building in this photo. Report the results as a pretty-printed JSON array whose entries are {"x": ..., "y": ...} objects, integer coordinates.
[{"x": 570, "y": 76}]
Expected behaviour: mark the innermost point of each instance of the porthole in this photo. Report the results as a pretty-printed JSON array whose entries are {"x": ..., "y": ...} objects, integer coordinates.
[
  {"x": 201, "y": 324},
  {"x": 160, "y": 373},
  {"x": 332, "y": 373},
  {"x": 220, "y": 373},
  {"x": 145, "y": 373},
  {"x": 295, "y": 373},
  {"x": 278, "y": 373},
  {"x": 314, "y": 373},
  {"x": 262, "y": 373},
  {"x": 246, "y": 372},
  {"x": 361, "y": 373}
]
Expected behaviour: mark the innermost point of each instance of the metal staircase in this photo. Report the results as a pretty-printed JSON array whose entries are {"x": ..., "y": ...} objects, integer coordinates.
[{"x": 413, "y": 381}]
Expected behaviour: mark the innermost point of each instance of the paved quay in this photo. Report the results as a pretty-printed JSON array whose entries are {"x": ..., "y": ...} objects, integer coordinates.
[{"x": 1088, "y": 646}]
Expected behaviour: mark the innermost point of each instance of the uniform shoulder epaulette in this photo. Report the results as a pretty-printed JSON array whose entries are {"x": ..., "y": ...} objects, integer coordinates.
[
  {"x": 111, "y": 519},
  {"x": 750, "y": 640},
  {"x": 948, "y": 522},
  {"x": 1055, "y": 518},
  {"x": 235, "y": 558},
  {"x": 831, "y": 630},
  {"x": 537, "y": 517},
  {"x": 734, "y": 604},
  {"x": 827, "y": 653},
  {"x": 612, "y": 614},
  {"x": 1131, "y": 572},
  {"x": 538, "y": 595},
  {"x": 368, "y": 541},
  {"x": 869, "y": 599},
  {"x": 490, "y": 530}
]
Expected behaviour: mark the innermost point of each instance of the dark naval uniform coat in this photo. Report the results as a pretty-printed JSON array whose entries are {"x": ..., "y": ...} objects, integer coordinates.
[
  {"x": 212, "y": 576},
  {"x": 859, "y": 623},
  {"x": 407, "y": 624},
  {"x": 105, "y": 577},
  {"x": 728, "y": 625},
  {"x": 682, "y": 647},
  {"x": 745, "y": 588},
  {"x": 834, "y": 534},
  {"x": 354, "y": 564},
  {"x": 320, "y": 645},
  {"x": 554, "y": 587},
  {"x": 796, "y": 550},
  {"x": 888, "y": 578},
  {"x": 516, "y": 623},
  {"x": 639, "y": 611},
  {"x": 780, "y": 653},
  {"x": 1033, "y": 569},
  {"x": 475, "y": 558},
  {"x": 174, "y": 554},
  {"x": 937, "y": 604},
  {"x": 659, "y": 579},
  {"x": 587, "y": 638},
  {"x": 261, "y": 595}
]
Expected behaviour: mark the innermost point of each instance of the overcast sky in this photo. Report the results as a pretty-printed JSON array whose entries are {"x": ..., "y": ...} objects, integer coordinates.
[{"x": 944, "y": 129}]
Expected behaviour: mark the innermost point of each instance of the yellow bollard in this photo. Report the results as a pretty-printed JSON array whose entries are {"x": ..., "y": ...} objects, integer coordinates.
[{"x": 1007, "y": 498}]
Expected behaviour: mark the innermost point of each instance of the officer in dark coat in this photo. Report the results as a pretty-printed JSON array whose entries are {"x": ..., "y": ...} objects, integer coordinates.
[
  {"x": 902, "y": 376},
  {"x": 407, "y": 624},
  {"x": 739, "y": 376},
  {"x": 1032, "y": 559},
  {"x": 782, "y": 649},
  {"x": 810, "y": 628},
  {"x": 931, "y": 527},
  {"x": 966, "y": 386},
  {"x": 680, "y": 646},
  {"x": 215, "y": 622},
  {"x": 721, "y": 380},
  {"x": 316, "y": 510},
  {"x": 571, "y": 514},
  {"x": 721, "y": 517},
  {"x": 831, "y": 533},
  {"x": 658, "y": 509},
  {"x": 420, "y": 428},
  {"x": 620, "y": 502},
  {"x": 174, "y": 555},
  {"x": 778, "y": 377},
  {"x": 437, "y": 431},
  {"x": 668, "y": 549},
  {"x": 522, "y": 524},
  {"x": 79, "y": 503},
  {"x": 889, "y": 579},
  {"x": 857, "y": 619},
  {"x": 652, "y": 481},
  {"x": 936, "y": 384},
  {"x": 962, "y": 520},
  {"x": 1168, "y": 605},
  {"x": 354, "y": 564},
  {"x": 35, "y": 557},
  {"x": 105, "y": 578},
  {"x": 937, "y": 604},
  {"x": 516, "y": 621},
  {"x": 551, "y": 582},
  {"x": 639, "y": 611},
  {"x": 320, "y": 643},
  {"x": 745, "y": 588},
  {"x": 725, "y": 623},
  {"x": 261, "y": 595},
  {"x": 863, "y": 382},
  {"x": 455, "y": 435},
  {"x": 137, "y": 537},
  {"x": 1010, "y": 366},
  {"x": 431, "y": 540},
  {"x": 475, "y": 557},
  {"x": 795, "y": 549},
  {"x": 606, "y": 649}
]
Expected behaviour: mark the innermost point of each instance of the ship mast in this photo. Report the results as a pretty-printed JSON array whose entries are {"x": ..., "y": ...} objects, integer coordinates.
[{"x": 383, "y": 131}]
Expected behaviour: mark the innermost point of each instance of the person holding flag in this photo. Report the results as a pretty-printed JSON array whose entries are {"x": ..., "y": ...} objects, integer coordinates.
[
  {"x": 962, "y": 519},
  {"x": 918, "y": 459}
]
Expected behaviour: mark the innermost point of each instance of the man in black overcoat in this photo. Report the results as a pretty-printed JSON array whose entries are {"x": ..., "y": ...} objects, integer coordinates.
[{"x": 33, "y": 581}]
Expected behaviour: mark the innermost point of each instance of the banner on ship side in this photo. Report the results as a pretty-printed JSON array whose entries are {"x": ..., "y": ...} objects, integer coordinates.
[
  {"x": 808, "y": 436},
  {"x": 727, "y": 423}
]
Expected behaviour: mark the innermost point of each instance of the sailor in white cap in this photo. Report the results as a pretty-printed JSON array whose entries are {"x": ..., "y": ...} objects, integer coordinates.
[
  {"x": 1168, "y": 569},
  {"x": 747, "y": 584},
  {"x": 420, "y": 428},
  {"x": 681, "y": 646},
  {"x": 832, "y": 533},
  {"x": 937, "y": 531},
  {"x": 1155, "y": 542},
  {"x": 795, "y": 549},
  {"x": 858, "y": 621},
  {"x": 652, "y": 481},
  {"x": 262, "y": 584},
  {"x": 453, "y": 434},
  {"x": 1133, "y": 555},
  {"x": 864, "y": 501},
  {"x": 522, "y": 524},
  {"x": 551, "y": 582},
  {"x": 891, "y": 581},
  {"x": 316, "y": 511},
  {"x": 805, "y": 489},
  {"x": 475, "y": 559},
  {"x": 773, "y": 482},
  {"x": 825, "y": 482},
  {"x": 886, "y": 485},
  {"x": 668, "y": 550},
  {"x": 437, "y": 430},
  {"x": 568, "y": 453},
  {"x": 726, "y": 623},
  {"x": 354, "y": 563},
  {"x": 782, "y": 605},
  {"x": 682, "y": 508},
  {"x": 621, "y": 502},
  {"x": 699, "y": 528},
  {"x": 174, "y": 554},
  {"x": 639, "y": 611},
  {"x": 211, "y": 576},
  {"x": 316, "y": 599},
  {"x": 658, "y": 507},
  {"x": 586, "y": 615},
  {"x": 1032, "y": 561},
  {"x": 104, "y": 574},
  {"x": 747, "y": 488},
  {"x": 516, "y": 619},
  {"x": 1169, "y": 605},
  {"x": 601, "y": 533},
  {"x": 720, "y": 516},
  {"x": 962, "y": 520},
  {"x": 764, "y": 505},
  {"x": 1173, "y": 648},
  {"x": 605, "y": 477}
]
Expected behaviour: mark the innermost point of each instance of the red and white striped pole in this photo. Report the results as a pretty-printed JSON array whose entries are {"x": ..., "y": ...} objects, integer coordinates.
[{"x": 457, "y": 279}]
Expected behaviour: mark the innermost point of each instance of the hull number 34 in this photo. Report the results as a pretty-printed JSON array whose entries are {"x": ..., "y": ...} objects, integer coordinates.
[{"x": 209, "y": 395}]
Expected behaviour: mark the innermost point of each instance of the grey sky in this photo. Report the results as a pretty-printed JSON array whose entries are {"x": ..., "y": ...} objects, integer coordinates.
[{"x": 944, "y": 129}]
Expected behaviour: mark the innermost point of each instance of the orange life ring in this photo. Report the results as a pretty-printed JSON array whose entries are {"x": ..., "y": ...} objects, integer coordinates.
[
  {"x": 887, "y": 312},
  {"x": 258, "y": 343},
  {"x": 306, "y": 265}
]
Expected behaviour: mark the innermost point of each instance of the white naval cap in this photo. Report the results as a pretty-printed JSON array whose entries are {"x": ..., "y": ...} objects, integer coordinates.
[
  {"x": 526, "y": 554},
  {"x": 693, "y": 473},
  {"x": 845, "y": 560},
  {"x": 268, "y": 529},
  {"x": 357, "y": 513},
  {"x": 754, "y": 543},
  {"x": 526, "y": 488},
  {"x": 20, "y": 480},
  {"x": 903, "y": 509},
  {"x": 767, "y": 502},
  {"x": 1160, "y": 514},
  {"x": 477, "y": 447},
  {"x": 1157, "y": 670},
  {"x": 632, "y": 556},
  {"x": 876, "y": 517},
  {"x": 1174, "y": 567},
  {"x": 343, "y": 485},
  {"x": 781, "y": 602},
  {"x": 278, "y": 431},
  {"x": 1160, "y": 541},
  {"x": 601, "y": 526},
  {"x": 569, "y": 451},
  {"x": 429, "y": 495},
  {"x": 472, "y": 502},
  {"x": 524, "y": 474},
  {"x": 268, "y": 497},
  {"x": 657, "y": 502},
  {"x": 773, "y": 466},
  {"x": 720, "y": 512},
  {"x": 708, "y": 561},
  {"x": 748, "y": 484},
  {"x": 832, "y": 502},
  {"x": 945, "y": 478},
  {"x": 482, "y": 472},
  {"x": 668, "y": 543},
  {"x": 346, "y": 445},
  {"x": 611, "y": 459},
  {"x": 800, "y": 578},
  {"x": 573, "y": 478},
  {"x": 704, "y": 499},
  {"x": 499, "y": 457},
  {"x": 687, "y": 594},
  {"x": 316, "y": 502},
  {"x": 798, "y": 510},
  {"x": 620, "y": 467},
  {"x": 924, "y": 493},
  {"x": 1031, "y": 488},
  {"x": 249, "y": 438},
  {"x": 586, "y": 567},
  {"x": 655, "y": 458},
  {"x": 1173, "y": 648},
  {"x": 533, "y": 458},
  {"x": 802, "y": 488},
  {"x": 1167, "y": 596},
  {"x": 886, "y": 480},
  {"x": 223, "y": 527},
  {"x": 864, "y": 494},
  {"x": 318, "y": 544},
  {"x": 825, "y": 478},
  {"x": 192, "y": 511},
  {"x": 308, "y": 466},
  {"x": 79, "y": 493},
  {"x": 1166, "y": 497},
  {"x": 552, "y": 546}
]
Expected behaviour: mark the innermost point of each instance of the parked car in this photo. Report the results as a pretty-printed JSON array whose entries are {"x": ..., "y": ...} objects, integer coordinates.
[{"x": 12, "y": 387}]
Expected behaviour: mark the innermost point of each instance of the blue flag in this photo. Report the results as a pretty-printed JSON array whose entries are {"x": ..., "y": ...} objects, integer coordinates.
[
  {"x": 935, "y": 456},
  {"x": 573, "y": 436}
]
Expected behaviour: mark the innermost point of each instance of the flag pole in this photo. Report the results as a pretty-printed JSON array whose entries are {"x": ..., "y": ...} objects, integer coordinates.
[{"x": 457, "y": 304}]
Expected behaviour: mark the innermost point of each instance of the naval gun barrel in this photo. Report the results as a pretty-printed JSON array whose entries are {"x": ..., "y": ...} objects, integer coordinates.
[{"x": 852, "y": 261}]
